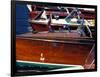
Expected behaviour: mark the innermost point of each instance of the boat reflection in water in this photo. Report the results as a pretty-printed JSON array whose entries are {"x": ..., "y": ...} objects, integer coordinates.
[{"x": 56, "y": 43}]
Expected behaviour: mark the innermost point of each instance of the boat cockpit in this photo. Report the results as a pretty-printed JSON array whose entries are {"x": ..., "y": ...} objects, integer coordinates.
[{"x": 69, "y": 21}]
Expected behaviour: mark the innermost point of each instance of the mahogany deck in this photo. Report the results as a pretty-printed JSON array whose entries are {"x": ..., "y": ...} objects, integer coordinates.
[{"x": 55, "y": 35}]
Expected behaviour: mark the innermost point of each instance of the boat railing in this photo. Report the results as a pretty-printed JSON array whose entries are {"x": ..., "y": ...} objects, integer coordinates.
[{"x": 87, "y": 26}]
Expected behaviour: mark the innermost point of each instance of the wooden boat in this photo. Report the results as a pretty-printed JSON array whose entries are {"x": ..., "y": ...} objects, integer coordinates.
[
  {"x": 40, "y": 23},
  {"x": 68, "y": 48},
  {"x": 60, "y": 48}
]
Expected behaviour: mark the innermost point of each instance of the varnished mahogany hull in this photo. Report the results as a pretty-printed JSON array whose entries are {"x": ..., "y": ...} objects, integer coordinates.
[{"x": 52, "y": 52}]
